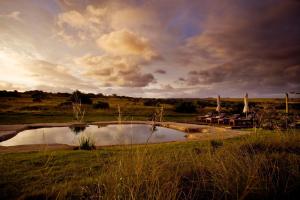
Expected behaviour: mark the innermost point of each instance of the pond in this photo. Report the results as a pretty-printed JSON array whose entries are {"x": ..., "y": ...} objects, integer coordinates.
[{"x": 102, "y": 135}]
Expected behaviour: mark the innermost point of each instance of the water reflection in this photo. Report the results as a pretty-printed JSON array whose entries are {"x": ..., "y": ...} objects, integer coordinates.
[
  {"x": 77, "y": 129},
  {"x": 107, "y": 135}
]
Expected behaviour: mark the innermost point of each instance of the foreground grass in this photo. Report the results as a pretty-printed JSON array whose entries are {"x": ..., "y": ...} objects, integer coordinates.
[{"x": 262, "y": 166}]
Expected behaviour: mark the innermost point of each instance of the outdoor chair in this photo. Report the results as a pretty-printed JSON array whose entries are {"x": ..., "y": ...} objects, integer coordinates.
[
  {"x": 215, "y": 119},
  {"x": 243, "y": 122},
  {"x": 203, "y": 118},
  {"x": 233, "y": 119},
  {"x": 223, "y": 120}
]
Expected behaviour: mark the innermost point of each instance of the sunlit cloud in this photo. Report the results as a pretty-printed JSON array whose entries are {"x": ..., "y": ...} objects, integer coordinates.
[{"x": 126, "y": 43}]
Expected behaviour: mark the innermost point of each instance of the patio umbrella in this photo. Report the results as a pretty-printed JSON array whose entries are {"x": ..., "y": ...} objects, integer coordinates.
[
  {"x": 218, "y": 109},
  {"x": 246, "y": 107}
]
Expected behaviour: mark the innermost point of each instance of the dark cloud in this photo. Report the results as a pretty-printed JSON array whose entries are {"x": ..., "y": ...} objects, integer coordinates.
[
  {"x": 160, "y": 71},
  {"x": 254, "y": 44},
  {"x": 115, "y": 71}
]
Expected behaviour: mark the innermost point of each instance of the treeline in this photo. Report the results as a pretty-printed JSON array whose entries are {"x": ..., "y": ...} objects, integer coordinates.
[{"x": 15, "y": 93}]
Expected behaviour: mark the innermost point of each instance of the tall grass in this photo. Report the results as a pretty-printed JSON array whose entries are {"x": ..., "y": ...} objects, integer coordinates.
[{"x": 256, "y": 167}]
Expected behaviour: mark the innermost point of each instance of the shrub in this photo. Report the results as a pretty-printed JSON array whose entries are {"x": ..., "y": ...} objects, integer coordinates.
[
  {"x": 185, "y": 107},
  {"x": 270, "y": 118},
  {"x": 66, "y": 104},
  {"x": 101, "y": 105}
]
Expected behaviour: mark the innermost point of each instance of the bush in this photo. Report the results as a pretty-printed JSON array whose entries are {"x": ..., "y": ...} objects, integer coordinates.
[
  {"x": 151, "y": 102},
  {"x": 101, "y": 105},
  {"x": 79, "y": 96},
  {"x": 66, "y": 104},
  {"x": 270, "y": 118},
  {"x": 185, "y": 107},
  {"x": 38, "y": 96},
  {"x": 4, "y": 93}
]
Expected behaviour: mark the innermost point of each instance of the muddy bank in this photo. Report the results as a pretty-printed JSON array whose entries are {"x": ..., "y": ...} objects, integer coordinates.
[{"x": 9, "y": 131}]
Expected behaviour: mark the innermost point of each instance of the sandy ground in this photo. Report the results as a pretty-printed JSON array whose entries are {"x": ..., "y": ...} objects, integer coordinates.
[{"x": 194, "y": 132}]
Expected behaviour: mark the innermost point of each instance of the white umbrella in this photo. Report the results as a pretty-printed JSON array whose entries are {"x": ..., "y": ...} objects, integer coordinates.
[
  {"x": 246, "y": 107},
  {"x": 286, "y": 103},
  {"x": 218, "y": 109}
]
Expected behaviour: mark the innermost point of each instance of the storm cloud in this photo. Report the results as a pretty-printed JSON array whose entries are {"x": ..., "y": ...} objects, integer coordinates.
[{"x": 256, "y": 45}]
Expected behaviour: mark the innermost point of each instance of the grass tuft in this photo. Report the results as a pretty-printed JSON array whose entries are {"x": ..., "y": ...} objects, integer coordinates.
[{"x": 86, "y": 142}]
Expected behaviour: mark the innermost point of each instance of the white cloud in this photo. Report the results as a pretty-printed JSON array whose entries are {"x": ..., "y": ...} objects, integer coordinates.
[
  {"x": 75, "y": 27},
  {"x": 126, "y": 43}
]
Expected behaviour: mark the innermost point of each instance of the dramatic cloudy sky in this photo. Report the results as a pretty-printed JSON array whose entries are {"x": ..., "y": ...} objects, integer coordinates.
[{"x": 154, "y": 48}]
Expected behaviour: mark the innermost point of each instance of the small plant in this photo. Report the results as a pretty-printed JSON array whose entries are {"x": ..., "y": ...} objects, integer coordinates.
[
  {"x": 216, "y": 144},
  {"x": 86, "y": 142}
]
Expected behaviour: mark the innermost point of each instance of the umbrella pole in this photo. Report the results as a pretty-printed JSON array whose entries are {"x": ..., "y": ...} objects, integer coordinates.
[{"x": 286, "y": 109}]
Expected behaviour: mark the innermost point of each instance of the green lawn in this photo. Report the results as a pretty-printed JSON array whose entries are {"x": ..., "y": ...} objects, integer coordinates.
[{"x": 262, "y": 166}]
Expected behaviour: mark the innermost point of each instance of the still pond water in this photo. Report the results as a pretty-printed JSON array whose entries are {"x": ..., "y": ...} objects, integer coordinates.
[{"x": 102, "y": 135}]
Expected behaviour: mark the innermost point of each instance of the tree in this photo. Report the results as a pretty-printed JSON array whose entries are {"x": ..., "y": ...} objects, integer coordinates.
[{"x": 79, "y": 96}]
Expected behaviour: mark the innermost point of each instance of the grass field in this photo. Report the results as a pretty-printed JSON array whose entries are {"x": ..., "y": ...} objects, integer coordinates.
[
  {"x": 264, "y": 165},
  {"x": 261, "y": 166},
  {"x": 22, "y": 109}
]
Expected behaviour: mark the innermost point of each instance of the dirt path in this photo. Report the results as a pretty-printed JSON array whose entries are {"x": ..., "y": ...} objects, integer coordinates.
[{"x": 194, "y": 132}]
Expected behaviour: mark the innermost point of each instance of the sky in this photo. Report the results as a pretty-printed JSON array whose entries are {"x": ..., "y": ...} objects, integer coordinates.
[{"x": 151, "y": 48}]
